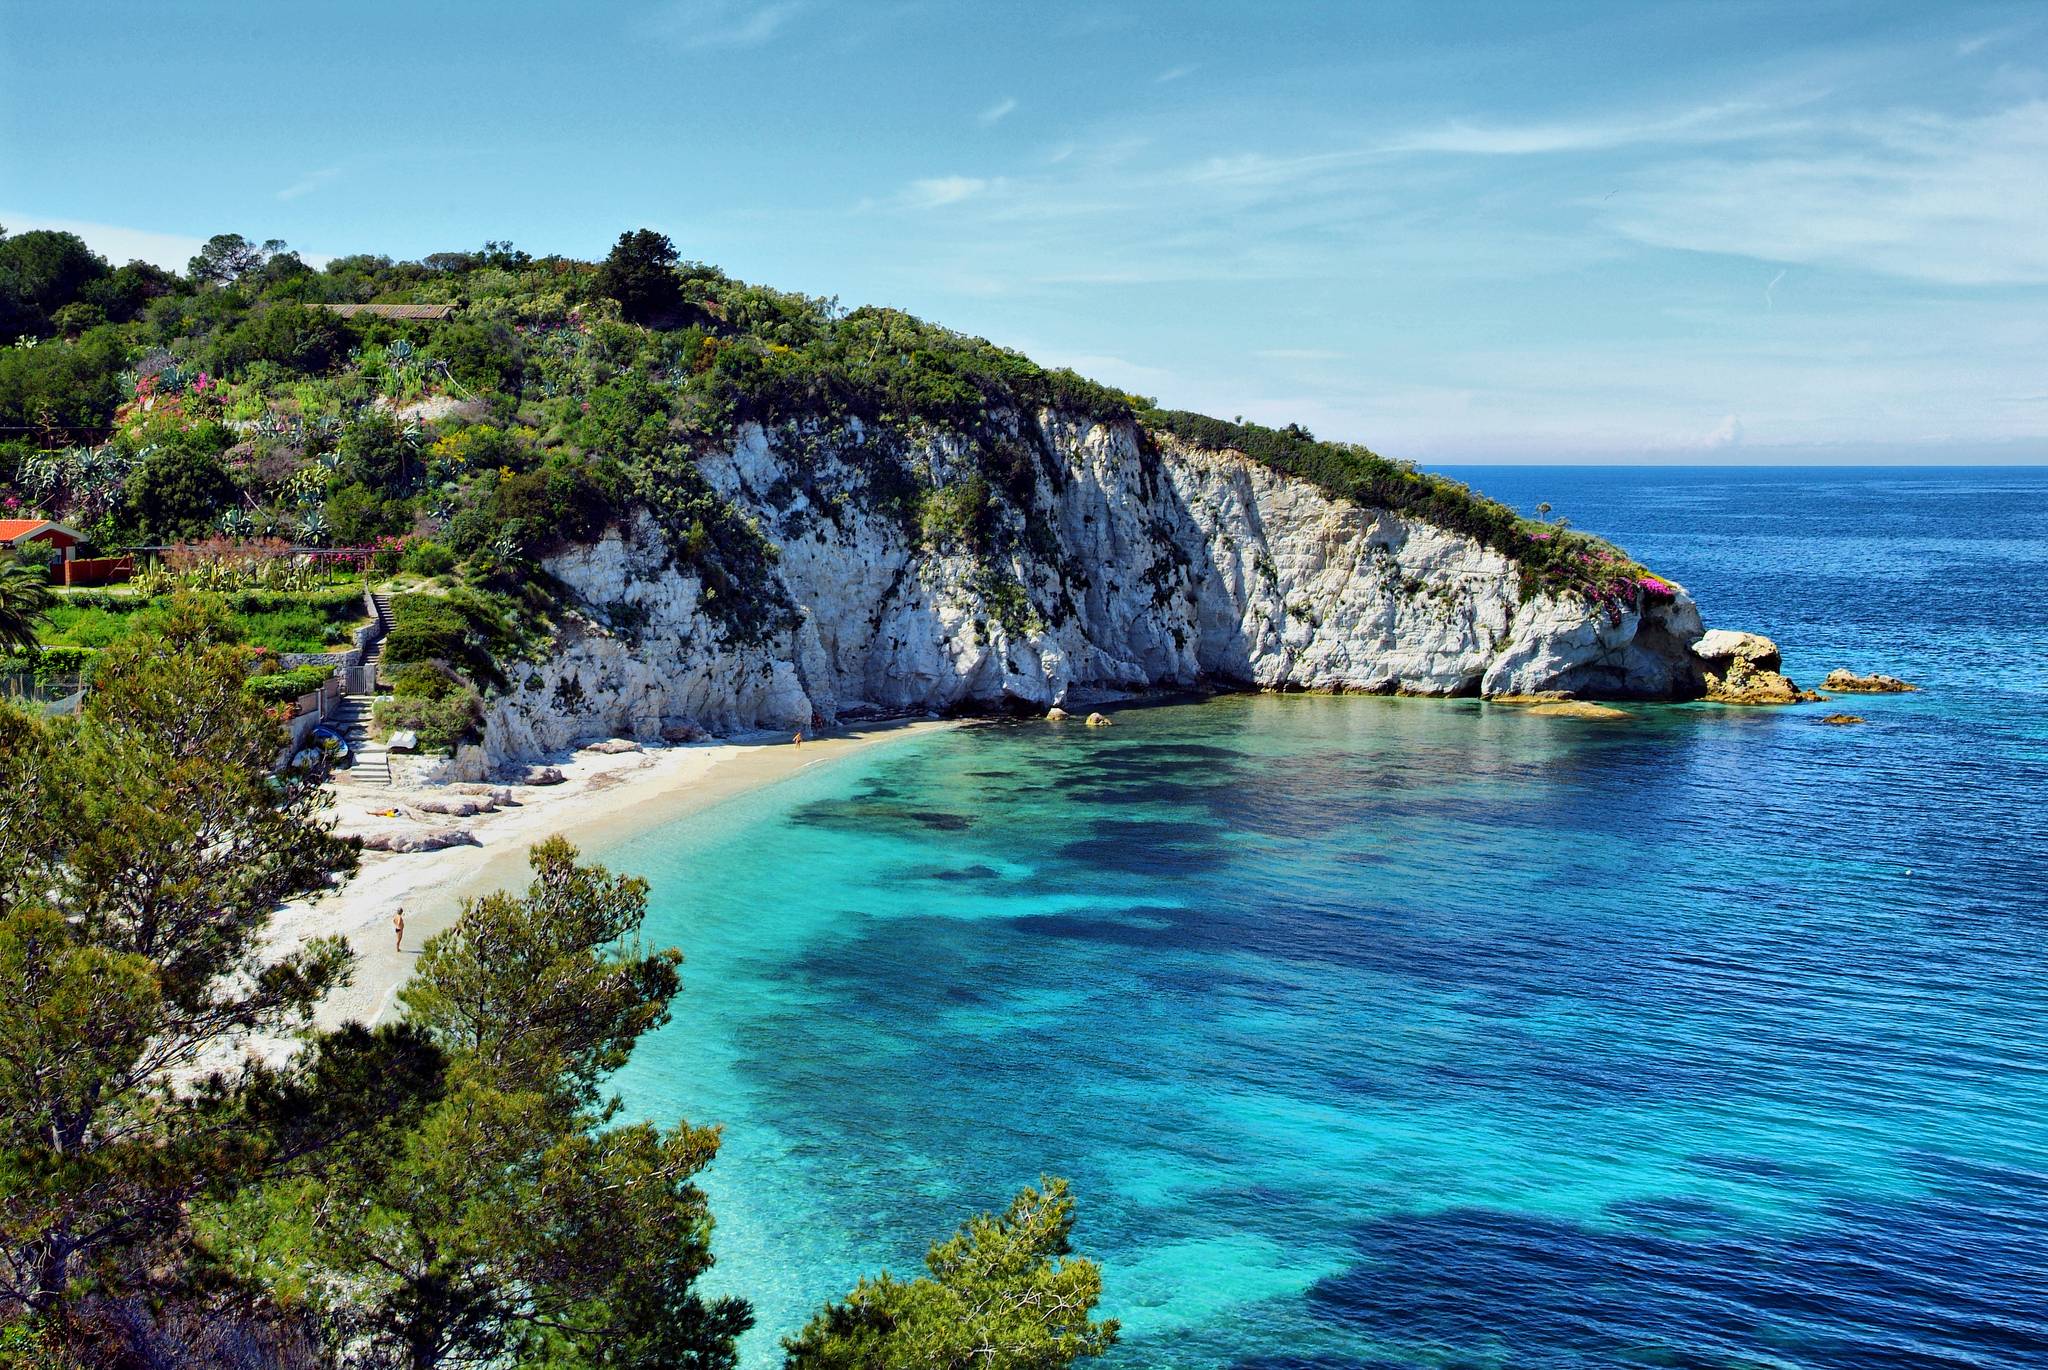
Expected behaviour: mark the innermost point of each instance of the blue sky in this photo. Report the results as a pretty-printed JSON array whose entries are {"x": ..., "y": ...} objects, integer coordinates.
[{"x": 1528, "y": 231}]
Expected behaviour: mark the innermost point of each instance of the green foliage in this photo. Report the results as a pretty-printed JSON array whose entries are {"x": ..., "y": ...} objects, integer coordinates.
[
  {"x": 280, "y": 687},
  {"x": 375, "y": 453},
  {"x": 440, "y": 722},
  {"x": 957, "y": 517},
  {"x": 25, "y": 599},
  {"x": 41, "y": 272},
  {"x": 286, "y": 334},
  {"x": 424, "y": 680},
  {"x": 640, "y": 275},
  {"x": 143, "y": 845},
  {"x": 283, "y": 621},
  {"x": 512, "y": 1225},
  {"x": 65, "y": 391},
  {"x": 428, "y": 558},
  {"x": 229, "y": 257},
  {"x": 464, "y": 630},
  {"x": 1001, "y": 1294},
  {"x": 480, "y": 354},
  {"x": 180, "y": 488},
  {"x": 357, "y": 514}
]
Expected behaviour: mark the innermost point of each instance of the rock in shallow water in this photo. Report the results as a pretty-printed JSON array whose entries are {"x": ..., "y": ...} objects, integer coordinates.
[
  {"x": 1849, "y": 683},
  {"x": 1722, "y": 645},
  {"x": 1743, "y": 682},
  {"x": 1098, "y": 720},
  {"x": 1842, "y": 720},
  {"x": 1576, "y": 708}
]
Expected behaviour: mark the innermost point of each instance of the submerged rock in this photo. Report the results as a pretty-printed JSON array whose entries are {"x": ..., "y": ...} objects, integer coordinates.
[
  {"x": 1576, "y": 708},
  {"x": 1842, "y": 720},
  {"x": 1098, "y": 720},
  {"x": 1849, "y": 683}
]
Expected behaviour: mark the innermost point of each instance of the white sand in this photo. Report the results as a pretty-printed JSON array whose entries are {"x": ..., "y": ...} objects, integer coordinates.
[{"x": 604, "y": 798}]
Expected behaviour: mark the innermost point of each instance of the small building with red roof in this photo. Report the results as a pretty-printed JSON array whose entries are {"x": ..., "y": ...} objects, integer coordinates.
[{"x": 15, "y": 532}]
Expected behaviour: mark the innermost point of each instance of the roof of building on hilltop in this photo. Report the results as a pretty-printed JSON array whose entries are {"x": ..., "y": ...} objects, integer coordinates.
[{"x": 392, "y": 311}]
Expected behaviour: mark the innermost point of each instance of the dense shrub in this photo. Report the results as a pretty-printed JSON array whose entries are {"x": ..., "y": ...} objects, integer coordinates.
[
  {"x": 288, "y": 335},
  {"x": 179, "y": 490},
  {"x": 463, "y": 630},
  {"x": 375, "y": 453},
  {"x": 424, "y": 680},
  {"x": 440, "y": 723},
  {"x": 640, "y": 275},
  {"x": 358, "y": 515},
  {"x": 68, "y": 390},
  {"x": 428, "y": 558},
  {"x": 482, "y": 355},
  {"x": 41, "y": 272},
  {"x": 281, "y": 686}
]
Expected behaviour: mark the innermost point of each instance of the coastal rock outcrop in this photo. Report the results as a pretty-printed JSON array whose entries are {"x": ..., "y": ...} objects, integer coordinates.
[
  {"x": 417, "y": 840},
  {"x": 1138, "y": 566},
  {"x": 1742, "y": 668},
  {"x": 1849, "y": 683}
]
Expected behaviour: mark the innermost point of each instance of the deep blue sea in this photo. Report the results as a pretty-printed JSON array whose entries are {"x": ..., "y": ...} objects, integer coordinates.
[{"x": 1377, "y": 1032}]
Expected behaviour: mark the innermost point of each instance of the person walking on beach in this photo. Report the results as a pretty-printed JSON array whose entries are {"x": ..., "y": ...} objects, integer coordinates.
[{"x": 398, "y": 930}]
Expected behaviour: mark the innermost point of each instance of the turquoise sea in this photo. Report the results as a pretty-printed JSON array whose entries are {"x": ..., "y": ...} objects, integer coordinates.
[{"x": 1381, "y": 1032}]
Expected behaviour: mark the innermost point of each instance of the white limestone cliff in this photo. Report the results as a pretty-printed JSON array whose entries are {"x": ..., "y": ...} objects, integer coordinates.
[{"x": 1170, "y": 569}]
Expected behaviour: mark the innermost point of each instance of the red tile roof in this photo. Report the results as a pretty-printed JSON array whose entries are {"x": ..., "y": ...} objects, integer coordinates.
[
  {"x": 392, "y": 311},
  {"x": 10, "y": 529}
]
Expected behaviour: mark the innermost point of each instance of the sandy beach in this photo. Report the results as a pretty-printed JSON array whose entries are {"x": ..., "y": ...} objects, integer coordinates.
[{"x": 603, "y": 798}]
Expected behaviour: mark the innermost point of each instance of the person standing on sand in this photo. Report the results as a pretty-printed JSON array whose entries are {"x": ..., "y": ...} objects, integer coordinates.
[
  {"x": 398, "y": 930},
  {"x": 798, "y": 740}
]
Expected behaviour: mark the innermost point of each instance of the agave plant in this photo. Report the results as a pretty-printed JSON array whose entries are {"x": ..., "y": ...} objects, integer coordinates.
[
  {"x": 314, "y": 528},
  {"x": 236, "y": 523}
]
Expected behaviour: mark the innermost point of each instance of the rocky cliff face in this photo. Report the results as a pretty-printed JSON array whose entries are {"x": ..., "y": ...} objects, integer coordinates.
[{"x": 1146, "y": 569}]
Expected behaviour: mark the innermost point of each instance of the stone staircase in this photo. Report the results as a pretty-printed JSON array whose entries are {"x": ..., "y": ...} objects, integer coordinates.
[{"x": 371, "y": 760}]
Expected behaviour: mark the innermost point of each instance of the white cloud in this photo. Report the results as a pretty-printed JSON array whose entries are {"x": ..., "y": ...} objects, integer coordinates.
[
  {"x": 1723, "y": 122},
  {"x": 935, "y": 191},
  {"x": 115, "y": 242},
  {"x": 1951, "y": 201},
  {"x": 1300, "y": 354},
  {"x": 723, "y": 23},
  {"x": 1005, "y": 106},
  {"x": 309, "y": 183},
  {"x": 1172, "y": 74}
]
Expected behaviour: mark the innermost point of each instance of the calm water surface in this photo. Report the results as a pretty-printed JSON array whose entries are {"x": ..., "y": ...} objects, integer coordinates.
[{"x": 1410, "y": 1033}]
